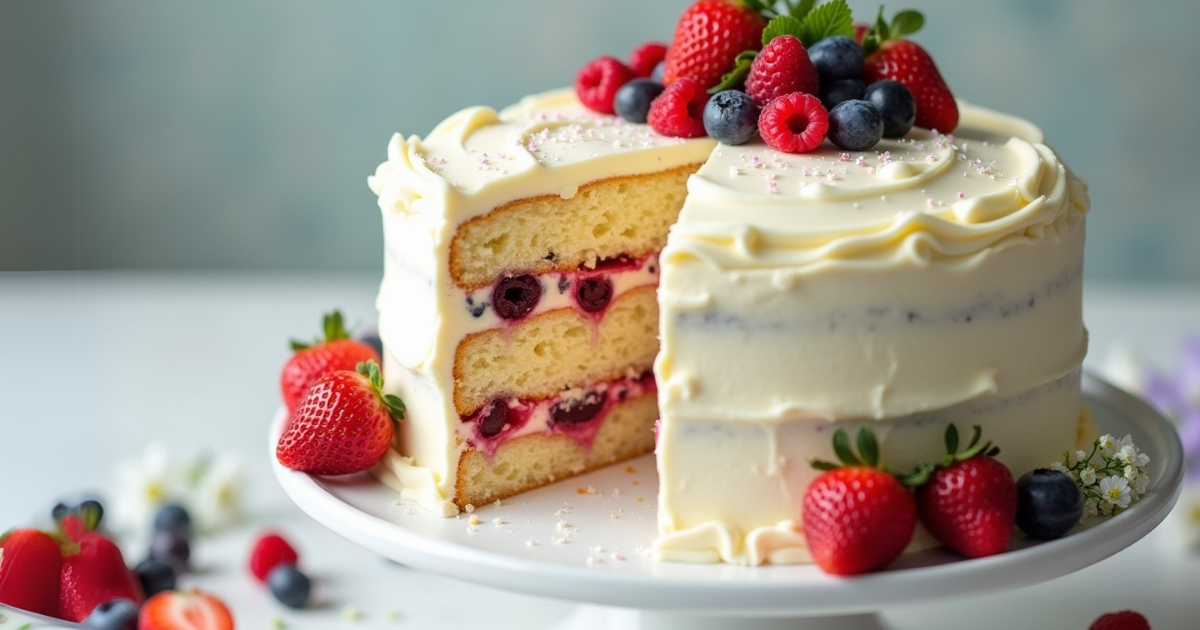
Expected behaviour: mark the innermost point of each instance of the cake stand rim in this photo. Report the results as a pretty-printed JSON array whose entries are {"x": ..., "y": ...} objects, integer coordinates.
[{"x": 824, "y": 596}]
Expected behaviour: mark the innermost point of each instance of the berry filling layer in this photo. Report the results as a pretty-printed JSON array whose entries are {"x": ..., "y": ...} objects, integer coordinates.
[
  {"x": 577, "y": 412},
  {"x": 514, "y": 298}
]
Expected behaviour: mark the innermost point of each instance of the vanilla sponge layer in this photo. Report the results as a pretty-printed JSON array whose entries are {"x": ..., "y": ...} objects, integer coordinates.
[
  {"x": 617, "y": 216},
  {"x": 537, "y": 459},
  {"x": 538, "y": 357},
  {"x": 733, "y": 491}
]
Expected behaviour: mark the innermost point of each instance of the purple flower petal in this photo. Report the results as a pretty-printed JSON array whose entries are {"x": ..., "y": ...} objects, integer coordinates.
[
  {"x": 1165, "y": 394},
  {"x": 1189, "y": 435},
  {"x": 1189, "y": 369}
]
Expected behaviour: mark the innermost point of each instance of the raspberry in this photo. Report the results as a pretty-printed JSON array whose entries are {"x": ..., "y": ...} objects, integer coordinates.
[
  {"x": 646, "y": 56},
  {"x": 270, "y": 550},
  {"x": 597, "y": 83},
  {"x": 679, "y": 110},
  {"x": 1120, "y": 620},
  {"x": 781, "y": 68},
  {"x": 795, "y": 123}
]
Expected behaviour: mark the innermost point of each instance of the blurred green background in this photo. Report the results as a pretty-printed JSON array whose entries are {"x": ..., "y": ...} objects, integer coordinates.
[{"x": 239, "y": 134}]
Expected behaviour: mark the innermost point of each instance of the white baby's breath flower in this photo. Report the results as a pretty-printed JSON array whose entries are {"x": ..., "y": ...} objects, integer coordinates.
[
  {"x": 1080, "y": 456},
  {"x": 1141, "y": 460},
  {"x": 1131, "y": 473},
  {"x": 1115, "y": 491},
  {"x": 1107, "y": 445},
  {"x": 1090, "y": 508},
  {"x": 1139, "y": 484},
  {"x": 1127, "y": 453},
  {"x": 144, "y": 485},
  {"x": 214, "y": 499},
  {"x": 1060, "y": 467},
  {"x": 1104, "y": 508},
  {"x": 1087, "y": 476}
]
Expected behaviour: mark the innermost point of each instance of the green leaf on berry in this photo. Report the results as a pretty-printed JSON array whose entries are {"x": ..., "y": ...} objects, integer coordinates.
[
  {"x": 801, "y": 9},
  {"x": 906, "y": 22},
  {"x": 392, "y": 402},
  {"x": 841, "y": 448},
  {"x": 868, "y": 448},
  {"x": 734, "y": 78},
  {"x": 758, "y": 6},
  {"x": 332, "y": 326},
  {"x": 827, "y": 20},
  {"x": 783, "y": 25}
]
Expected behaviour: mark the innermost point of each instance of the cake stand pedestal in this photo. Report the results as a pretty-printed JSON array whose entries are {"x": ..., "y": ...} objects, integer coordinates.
[{"x": 584, "y": 540}]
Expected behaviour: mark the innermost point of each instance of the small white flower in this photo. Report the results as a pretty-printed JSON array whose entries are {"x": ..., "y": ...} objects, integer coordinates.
[
  {"x": 1104, "y": 508},
  {"x": 1087, "y": 476},
  {"x": 1080, "y": 456},
  {"x": 1115, "y": 491},
  {"x": 1107, "y": 444},
  {"x": 214, "y": 500},
  {"x": 1127, "y": 453},
  {"x": 1141, "y": 460},
  {"x": 144, "y": 485},
  {"x": 1131, "y": 473},
  {"x": 1090, "y": 508},
  {"x": 1060, "y": 467},
  {"x": 1139, "y": 484}
]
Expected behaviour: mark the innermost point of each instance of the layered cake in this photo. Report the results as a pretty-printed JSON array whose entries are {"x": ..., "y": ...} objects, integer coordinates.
[{"x": 536, "y": 256}]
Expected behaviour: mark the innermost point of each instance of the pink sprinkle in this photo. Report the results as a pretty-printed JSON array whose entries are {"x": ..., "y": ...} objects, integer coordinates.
[
  {"x": 933, "y": 203},
  {"x": 961, "y": 195},
  {"x": 861, "y": 161},
  {"x": 845, "y": 157},
  {"x": 771, "y": 187}
]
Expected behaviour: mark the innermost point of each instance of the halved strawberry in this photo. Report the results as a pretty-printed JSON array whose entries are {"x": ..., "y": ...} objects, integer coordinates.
[
  {"x": 335, "y": 351},
  {"x": 192, "y": 610},
  {"x": 343, "y": 425},
  {"x": 708, "y": 38},
  {"x": 30, "y": 564}
]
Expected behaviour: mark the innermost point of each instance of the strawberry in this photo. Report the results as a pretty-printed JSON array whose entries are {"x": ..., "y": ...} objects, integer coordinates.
[
  {"x": 94, "y": 574},
  {"x": 336, "y": 351},
  {"x": 889, "y": 57},
  {"x": 270, "y": 551},
  {"x": 30, "y": 564},
  {"x": 343, "y": 425},
  {"x": 708, "y": 37},
  {"x": 645, "y": 57},
  {"x": 970, "y": 500},
  {"x": 783, "y": 67},
  {"x": 1120, "y": 620},
  {"x": 856, "y": 517},
  {"x": 193, "y": 610}
]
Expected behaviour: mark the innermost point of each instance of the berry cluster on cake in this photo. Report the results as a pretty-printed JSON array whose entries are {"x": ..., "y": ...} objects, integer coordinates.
[{"x": 819, "y": 234}]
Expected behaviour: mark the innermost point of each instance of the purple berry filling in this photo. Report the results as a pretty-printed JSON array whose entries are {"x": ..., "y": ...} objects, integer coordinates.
[
  {"x": 576, "y": 411},
  {"x": 594, "y": 294},
  {"x": 516, "y": 297},
  {"x": 493, "y": 419}
]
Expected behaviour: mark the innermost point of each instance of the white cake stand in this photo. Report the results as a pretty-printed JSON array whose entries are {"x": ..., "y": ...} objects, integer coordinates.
[{"x": 584, "y": 540}]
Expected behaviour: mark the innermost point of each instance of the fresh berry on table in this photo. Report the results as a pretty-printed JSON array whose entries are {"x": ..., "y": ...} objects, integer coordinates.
[
  {"x": 289, "y": 585},
  {"x": 30, "y": 565},
  {"x": 783, "y": 67},
  {"x": 1120, "y": 620},
  {"x": 173, "y": 547},
  {"x": 114, "y": 614},
  {"x": 645, "y": 58},
  {"x": 173, "y": 517},
  {"x": 795, "y": 123},
  {"x": 1049, "y": 503},
  {"x": 88, "y": 503},
  {"x": 598, "y": 81},
  {"x": 659, "y": 71},
  {"x": 731, "y": 117},
  {"x": 632, "y": 102},
  {"x": 836, "y": 58},
  {"x": 855, "y": 125},
  {"x": 969, "y": 502},
  {"x": 679, "y": 110},
  {"x": 334, "y": 351},
  {"x": 371, "y": 338},
  {"x": 895, "y": 103},
  {"x": 857, "y": 516},
  {"x": 191, "y": 610},
  {"x": 889, "y": 56},
  {"x": 270, "y": 551},
  {"x": 156, "y": 575},
  {"x": 708, "y": 37},
  {"x": 93, "y": 572},
  {"x": 843, "y": 90},
  {"x": 343, "y": 425}
]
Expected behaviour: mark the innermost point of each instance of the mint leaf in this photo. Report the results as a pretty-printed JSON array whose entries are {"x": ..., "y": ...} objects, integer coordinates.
[
  {"x": 906, "y": 23},
  {"x": 758, "y": 6},
  {"x": 783, "y": 25},
  {"x": 801, "y": 10},
  {"x": 827, "y": 20},
  {"x": 734, "y": 78}
]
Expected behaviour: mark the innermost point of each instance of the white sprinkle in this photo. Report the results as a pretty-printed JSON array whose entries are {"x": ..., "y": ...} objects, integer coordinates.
[
  {"x": 558, "y": 540},
  {"x": 498, "y": 521},
  {"x": 531, "y": 543},
  {"x": 469, "y": 508}
]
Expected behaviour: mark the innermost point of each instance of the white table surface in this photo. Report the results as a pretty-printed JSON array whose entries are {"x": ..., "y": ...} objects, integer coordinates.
[{"x": 96, "y": 365}]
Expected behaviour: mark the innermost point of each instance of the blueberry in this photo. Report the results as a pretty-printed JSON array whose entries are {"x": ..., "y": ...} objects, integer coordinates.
[
  {"x": 656, "y": 75},
  {"x": 174, "y": 517},
  {"x": 155, "y": 575},
  {"x": 731, "y": 117},
  {"x": 169, "y": 546},
  {"x": 855, "y": 125},
  {"x": 632, "y": 101},
  {"x": 594, "y": 294},
  {"x": 291, "y": 587},
  {"x": 843, "y": 90},
  {"x": 114, "y": 614},
  {"x": 895, "y": 103},
  {"x": 493, "y": 419},
  {"x": 1049, "y": 503},
  {"x": 836, "y": 58},
  {"x": 575, "y": 411},
  {"x": 372, "y": 339},
  {"x": 515, "y": 297}
]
